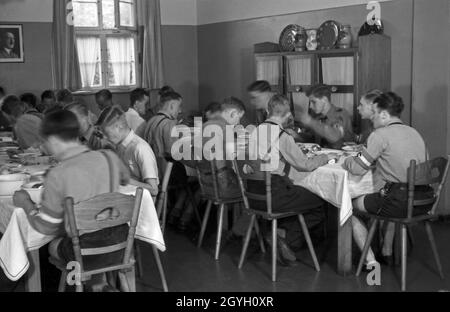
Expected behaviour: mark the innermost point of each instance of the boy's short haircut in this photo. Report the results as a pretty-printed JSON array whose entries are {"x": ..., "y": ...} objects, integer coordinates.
[
  {"x": 13, "y": 106},
  {"x": 232, "y": 103},
  {"x": 319, "y": 92},
  {"x": 137, "y": 95},
  {"x": 30, "y": 99},
  {"x": 279, "y": 106},
  {"x": 110, "y": 116},
  {"x": 390, "y": 102},
  {"x": 260, "y": 86},
  {"x": 170, "y": 96},
  {"x": 62, "y": 124}
]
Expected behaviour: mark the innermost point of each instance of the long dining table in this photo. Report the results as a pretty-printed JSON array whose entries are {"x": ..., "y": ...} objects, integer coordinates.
[
  {"x": 338, "y": 187},
  {"x": 20, "y": 244}
]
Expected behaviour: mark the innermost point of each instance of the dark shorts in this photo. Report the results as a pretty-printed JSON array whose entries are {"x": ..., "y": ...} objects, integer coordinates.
[
  {"x": 395, "y": 203},
  {"x": 286, "y": 197},
  {"x": 103, "y": 238}
]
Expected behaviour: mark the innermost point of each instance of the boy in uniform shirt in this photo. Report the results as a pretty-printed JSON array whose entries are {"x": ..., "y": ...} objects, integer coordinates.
[
  {"x": 286, "y": 197},
  {"x": 390, "y": 149},
  {"x": 133, "y": 150},
  {"x": 81, "y": 174},
  {"x": 333, "y": 125},
  {"x": 158, "y": 134}
]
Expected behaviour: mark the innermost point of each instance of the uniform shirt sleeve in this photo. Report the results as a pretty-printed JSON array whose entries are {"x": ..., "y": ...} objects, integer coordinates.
[
  {"x": 362, "y": 163},
  {"x": 337, "y": 130},
  {"x": 50, "y": 218},
  {"x": 146, "y": 161},
  {"x": 296, "y": 158},
  {"x": 168, "y": 140}
]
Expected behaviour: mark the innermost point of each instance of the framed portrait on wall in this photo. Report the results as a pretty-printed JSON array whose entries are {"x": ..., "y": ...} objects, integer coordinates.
[{"x": 11, "y": 44}]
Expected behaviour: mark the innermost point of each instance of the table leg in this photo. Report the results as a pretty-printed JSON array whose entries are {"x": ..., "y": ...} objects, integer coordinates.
[
  {"x": 33, "y": 277},
  {"x": 345, "y": 239}
]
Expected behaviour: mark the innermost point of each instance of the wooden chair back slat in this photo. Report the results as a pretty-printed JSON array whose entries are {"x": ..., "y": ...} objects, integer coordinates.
[
  {"x": 206, "y": 168},
  {"x": 431, "y": 173},
  {"x": 103, "y": 250},
  {"x": 247, "y": 170},
  {"x": 85, "y": 216},
  {"x": 104, "y": 211}
]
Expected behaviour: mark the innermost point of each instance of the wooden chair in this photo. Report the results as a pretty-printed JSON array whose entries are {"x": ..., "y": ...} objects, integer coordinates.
[
  {"x": 209, "y": 169},
  {"x": 253, "y": 173},
  {"x": 433, "y": 173},
  {"x": 122, "y": 209},
  {"x": 162, "y": 201}
]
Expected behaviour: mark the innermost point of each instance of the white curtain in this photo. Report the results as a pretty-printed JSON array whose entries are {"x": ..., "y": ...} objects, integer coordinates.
[
  {"x": 89, "y": 56},
  {"x": 122, "y": 60}
]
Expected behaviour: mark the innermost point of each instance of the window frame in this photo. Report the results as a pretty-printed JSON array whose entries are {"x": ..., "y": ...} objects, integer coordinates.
[{"x": 102, "y": 33}]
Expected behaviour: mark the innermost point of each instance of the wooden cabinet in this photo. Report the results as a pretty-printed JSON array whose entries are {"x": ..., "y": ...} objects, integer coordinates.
[{"x": 350, "y": 73}]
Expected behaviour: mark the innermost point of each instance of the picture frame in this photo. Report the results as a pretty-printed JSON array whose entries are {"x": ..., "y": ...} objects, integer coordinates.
[{"x": 11, "y": 43}]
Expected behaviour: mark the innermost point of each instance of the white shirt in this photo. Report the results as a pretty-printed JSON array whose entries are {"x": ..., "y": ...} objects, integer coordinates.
[
  {"x": 133, "y": 119},
  {"x": 138, "y": 156}
]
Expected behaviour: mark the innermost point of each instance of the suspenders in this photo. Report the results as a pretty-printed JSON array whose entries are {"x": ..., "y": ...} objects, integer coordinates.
[{"x": 287, "y": 167}]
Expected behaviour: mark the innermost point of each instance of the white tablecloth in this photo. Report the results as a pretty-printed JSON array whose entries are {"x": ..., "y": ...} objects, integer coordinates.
[
  {"x": 335, "y": 185},
  {"x": 19, "y": 236}
]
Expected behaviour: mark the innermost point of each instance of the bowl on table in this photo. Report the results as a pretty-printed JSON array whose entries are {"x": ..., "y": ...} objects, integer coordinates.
[
  {"x": 35, "y": 190},
  {"x": 10, "y": 183}
]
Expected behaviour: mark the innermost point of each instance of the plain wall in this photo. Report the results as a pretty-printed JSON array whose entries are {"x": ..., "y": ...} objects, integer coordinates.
[{"x": 431, "y": 66}]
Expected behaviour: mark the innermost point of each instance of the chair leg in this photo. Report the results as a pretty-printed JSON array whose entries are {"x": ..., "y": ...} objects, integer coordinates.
[
  {"x": 194, "y": 204},
  {"x": 62, "y": 282},
  {"x": 274, "y": 249},
  {"x": 160, "y": 269},
  {"x": 124, "y": 282},
  {"x": 111, "y": 278},
  {"x": 412, "y": 240},
  {"x": 79, "y": 288},
  {"x": 204, "y": 224},
  {"x": 260, "y": 237},
  {"x": 164, "y": 216},
  {"x": 131, "y": 279},
  {"x": 219, "y": 231},
  {"x": 138, "y": 258},
  {"x": 365, "y": 250},
  {"x": 404, "y": 255},
  {"x": 309, "y": 241},
  {"x": 434, "y": 248},
  {"x": 247, "y": 241}
]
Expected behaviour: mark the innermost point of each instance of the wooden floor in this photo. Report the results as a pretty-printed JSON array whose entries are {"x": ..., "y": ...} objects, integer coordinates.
[{"x": 190, "y": 269}]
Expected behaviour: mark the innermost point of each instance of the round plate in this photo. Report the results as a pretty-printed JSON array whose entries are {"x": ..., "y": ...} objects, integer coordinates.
[
  {"x": 287, "y": 38},
  {"x": 328, "y": 35}
]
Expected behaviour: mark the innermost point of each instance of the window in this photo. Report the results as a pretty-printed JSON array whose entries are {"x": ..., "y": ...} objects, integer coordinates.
[{"x": 106, "y": 37}]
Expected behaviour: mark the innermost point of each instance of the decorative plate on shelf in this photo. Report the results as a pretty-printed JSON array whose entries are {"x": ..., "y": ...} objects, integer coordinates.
[
  {"x": 328, "y": 35},
  {"x": 288, "y": 37}
]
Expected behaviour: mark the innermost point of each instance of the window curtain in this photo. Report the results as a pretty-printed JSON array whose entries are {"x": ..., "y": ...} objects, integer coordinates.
[
  {"x": 89, "y": 55},
  {"x": 65, "y": 66},
  {"x": 149, "y": 21},
  {"x": 121, "y": 49}
]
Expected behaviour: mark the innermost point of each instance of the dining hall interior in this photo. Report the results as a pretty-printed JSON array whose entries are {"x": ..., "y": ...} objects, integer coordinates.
[{"x": 224, "y": 146}]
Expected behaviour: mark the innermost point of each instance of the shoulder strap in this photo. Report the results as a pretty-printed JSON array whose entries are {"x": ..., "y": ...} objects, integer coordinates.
[{"x": 111, "y": 172}]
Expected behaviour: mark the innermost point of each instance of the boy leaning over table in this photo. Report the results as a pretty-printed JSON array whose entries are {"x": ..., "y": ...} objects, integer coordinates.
[
  {"x": 82, "y": 174},
  {"x": 286, "y": 197},
  {"x": 390, "y": 149}
]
